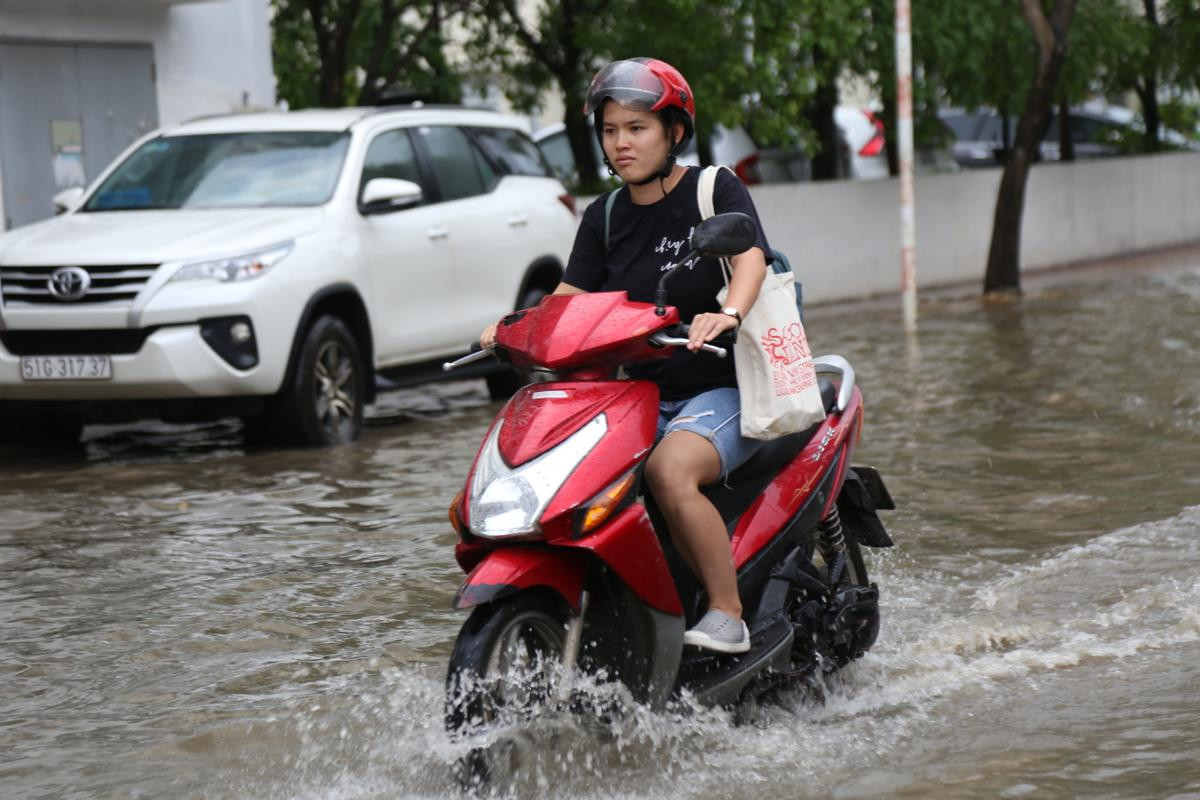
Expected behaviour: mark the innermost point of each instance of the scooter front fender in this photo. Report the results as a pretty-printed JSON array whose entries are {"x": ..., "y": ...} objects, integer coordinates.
[{"x": 508, "y": 570}]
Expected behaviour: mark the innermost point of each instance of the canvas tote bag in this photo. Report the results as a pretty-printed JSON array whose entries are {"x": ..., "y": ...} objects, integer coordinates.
[{"x": 776, "y": 380}]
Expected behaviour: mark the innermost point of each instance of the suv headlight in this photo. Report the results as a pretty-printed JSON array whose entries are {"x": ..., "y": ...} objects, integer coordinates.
[
  {"x": 238, "y": 268},
  {"x": 508, "y": 502}
]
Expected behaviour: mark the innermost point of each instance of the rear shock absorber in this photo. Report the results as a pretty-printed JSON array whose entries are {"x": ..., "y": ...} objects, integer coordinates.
[{"x": 831, "y": 543}]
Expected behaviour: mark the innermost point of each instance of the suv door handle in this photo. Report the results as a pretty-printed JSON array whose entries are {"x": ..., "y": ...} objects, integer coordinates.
[
  {"x": 439, "y": 232},
  {"x": 518, "y": 219}
]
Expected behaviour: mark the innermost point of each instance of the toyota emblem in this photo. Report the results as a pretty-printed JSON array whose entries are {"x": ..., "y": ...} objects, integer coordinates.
[{"x": 69, "y": 283}]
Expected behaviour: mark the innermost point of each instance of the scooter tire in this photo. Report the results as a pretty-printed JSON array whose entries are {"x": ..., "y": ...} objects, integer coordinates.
[{"x": 502, "y": 665}]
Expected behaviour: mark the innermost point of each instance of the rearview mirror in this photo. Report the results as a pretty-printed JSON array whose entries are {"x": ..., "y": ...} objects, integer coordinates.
[
  {"x": 382, "y": 195},
  {"x": 67, "y": 199},
  {"x": 724, "y": 235}
]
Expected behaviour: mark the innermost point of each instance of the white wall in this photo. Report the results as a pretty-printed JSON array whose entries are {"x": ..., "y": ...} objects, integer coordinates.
[
  {"x": 212, "y": 56},
  {"x": 843, "y": 238}
]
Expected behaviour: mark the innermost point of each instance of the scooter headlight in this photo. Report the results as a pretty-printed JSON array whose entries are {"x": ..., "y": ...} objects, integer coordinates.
[{"x": 508, "y": 502}]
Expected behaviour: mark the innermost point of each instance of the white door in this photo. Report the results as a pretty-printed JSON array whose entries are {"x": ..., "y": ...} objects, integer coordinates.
[
  {"x": 410, "y": 259},
  {"x": 489, "y": 229}
]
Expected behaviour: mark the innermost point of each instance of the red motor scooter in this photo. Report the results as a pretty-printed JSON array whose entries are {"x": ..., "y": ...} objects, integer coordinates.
[{"x": 568, "y": 559}]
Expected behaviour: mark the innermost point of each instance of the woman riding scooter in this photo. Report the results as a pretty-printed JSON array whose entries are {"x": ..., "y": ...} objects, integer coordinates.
[{"x": 644, "y": 115}]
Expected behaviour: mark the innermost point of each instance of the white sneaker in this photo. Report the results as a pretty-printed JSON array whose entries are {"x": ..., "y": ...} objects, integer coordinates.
[{"x": 719, "y": 632}]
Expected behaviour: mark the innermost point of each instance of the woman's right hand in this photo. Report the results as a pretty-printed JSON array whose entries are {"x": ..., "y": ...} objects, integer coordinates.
[{"x": 488, "y": 337}]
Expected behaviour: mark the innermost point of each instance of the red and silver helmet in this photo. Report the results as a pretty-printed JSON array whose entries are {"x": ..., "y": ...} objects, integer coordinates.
[
  {"x": 644, "y": 84},
  {"x": 641, "y": 84}
]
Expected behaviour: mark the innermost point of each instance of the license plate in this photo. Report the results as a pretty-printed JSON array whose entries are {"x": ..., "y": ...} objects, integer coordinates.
[{"x": 66, "y": 368}]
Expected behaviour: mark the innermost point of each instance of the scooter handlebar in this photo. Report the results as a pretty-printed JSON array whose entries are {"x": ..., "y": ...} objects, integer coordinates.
[
  {"x": 477, "y": 354},
  {"x": 663, "y": 340}
]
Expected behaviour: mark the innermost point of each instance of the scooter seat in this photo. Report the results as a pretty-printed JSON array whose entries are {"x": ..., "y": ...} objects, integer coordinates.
[{"x": 747, "y": 482}]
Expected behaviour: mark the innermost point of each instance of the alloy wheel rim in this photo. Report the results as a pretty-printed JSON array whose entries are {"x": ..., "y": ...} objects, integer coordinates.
[
  {"x": 336, "y": 396},
  {"x": 519, "y": 664}
]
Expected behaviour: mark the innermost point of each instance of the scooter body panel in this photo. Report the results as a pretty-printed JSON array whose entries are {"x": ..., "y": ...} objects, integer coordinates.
[
  {"x": 583, "y": 331},
  {"x": 543, "y": 415},
  {"x": 508, "y": 570},
  {"x": 631, "y": 416},
  {"x": 796, "y": 484},
  {"x": 629, "y": 546}
]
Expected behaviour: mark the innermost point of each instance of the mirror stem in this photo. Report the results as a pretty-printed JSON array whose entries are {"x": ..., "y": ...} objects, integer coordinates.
[{"x": 660, "y": 294}]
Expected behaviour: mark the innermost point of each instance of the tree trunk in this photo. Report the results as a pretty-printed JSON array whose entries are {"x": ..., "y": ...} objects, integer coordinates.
[
  {"x": 827, "y": 163},
  {"x": 1066, "y": 144},
  {"x": 333, "y": 37},
  {"x": 704, "y": 148},
  {"x": 1004, "y": 265},
  {"x": 1147, "y": 88},
  {"x": 891, "y": 135},
  {"x": 581, "y": 135}
]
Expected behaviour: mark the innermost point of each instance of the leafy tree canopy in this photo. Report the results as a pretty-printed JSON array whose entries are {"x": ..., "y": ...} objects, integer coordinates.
[{"x": 345, "y": 52}]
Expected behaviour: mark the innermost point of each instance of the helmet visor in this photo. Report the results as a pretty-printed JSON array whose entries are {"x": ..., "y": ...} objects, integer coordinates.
[{"x": 629, "y": 83}]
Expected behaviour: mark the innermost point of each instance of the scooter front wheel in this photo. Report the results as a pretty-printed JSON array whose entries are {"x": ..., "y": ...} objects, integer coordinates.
[{"x": 503, "y": 669}]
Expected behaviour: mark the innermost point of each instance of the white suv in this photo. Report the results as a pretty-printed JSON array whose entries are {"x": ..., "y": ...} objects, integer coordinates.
[{"x": 268, "y": 265}]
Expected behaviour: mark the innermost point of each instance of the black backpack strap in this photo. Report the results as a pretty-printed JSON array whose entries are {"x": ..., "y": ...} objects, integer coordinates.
[{"x": 608, "y": 204}]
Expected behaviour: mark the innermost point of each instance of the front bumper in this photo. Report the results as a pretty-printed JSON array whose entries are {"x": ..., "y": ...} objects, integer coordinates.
[{"x": 174, "y": 362}]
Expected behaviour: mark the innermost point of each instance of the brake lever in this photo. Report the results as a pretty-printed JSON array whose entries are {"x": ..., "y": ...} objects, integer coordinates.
[
  {"x": 477, "y": 355},
  {"x": 663, "y": 340}
]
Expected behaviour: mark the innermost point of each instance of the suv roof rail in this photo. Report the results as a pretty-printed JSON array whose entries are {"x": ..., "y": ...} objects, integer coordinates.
[{"x": 404, "y": 96}]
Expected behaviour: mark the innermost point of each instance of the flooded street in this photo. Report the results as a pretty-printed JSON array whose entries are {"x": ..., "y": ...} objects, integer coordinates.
[{"x": 183, "y": 617}]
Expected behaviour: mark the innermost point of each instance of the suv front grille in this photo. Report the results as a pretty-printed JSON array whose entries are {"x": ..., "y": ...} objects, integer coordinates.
[
  {"x": 117, "y": 283},
  {"x": 114, "y": 342}
]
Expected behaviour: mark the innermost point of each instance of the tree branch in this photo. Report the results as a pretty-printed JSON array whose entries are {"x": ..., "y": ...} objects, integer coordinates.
[
  {"x": 436, "y": 17},
  {"x": 383, "y": 37},
  {"x": 1035, "y": 18},
  {"x": 316, "y": 11},
  {"x": 537, "y": 49}
]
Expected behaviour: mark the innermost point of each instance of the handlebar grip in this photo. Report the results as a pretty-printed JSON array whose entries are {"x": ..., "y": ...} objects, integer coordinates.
[
  {"x": 662, "y": 339},
  {"x": 726, "y": 338}
]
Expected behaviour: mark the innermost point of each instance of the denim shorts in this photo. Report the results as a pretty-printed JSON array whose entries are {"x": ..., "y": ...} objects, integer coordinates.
[{"x": 715, "y": 415}]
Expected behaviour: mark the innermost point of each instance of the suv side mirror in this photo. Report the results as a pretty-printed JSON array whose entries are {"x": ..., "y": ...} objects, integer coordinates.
[
  {"x": 384, "y": 195},
  {"x": 67, "y": 199}
]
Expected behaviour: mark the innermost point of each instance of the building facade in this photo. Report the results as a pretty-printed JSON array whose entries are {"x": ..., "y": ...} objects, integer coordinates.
[{"x": 82, "y": 79}]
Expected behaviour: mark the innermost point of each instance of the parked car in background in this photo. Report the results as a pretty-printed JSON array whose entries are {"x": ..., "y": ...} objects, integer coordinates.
[
  {"x": 268, "y": 265},
  {"x": 866, "y": 147},
  {"x": 1097, "y": 131}
]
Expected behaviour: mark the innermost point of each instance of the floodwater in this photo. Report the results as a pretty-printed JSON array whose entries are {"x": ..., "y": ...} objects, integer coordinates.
[{"x": 185, "y": 618}]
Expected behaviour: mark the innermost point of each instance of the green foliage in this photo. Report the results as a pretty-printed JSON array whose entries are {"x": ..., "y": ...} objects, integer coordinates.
[
  {"x": 1181, "y": 42},
  {"x": 365, "y": 46},
  {"x": 1182, "y": 116},
  {"x": 1109, "y": 49},
  {"x": 972, "y": 56},
  {"x": 294, "y": 52}
]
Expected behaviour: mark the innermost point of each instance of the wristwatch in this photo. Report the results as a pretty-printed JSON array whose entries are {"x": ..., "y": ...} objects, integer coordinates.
[{"x": 733, "y": 312}]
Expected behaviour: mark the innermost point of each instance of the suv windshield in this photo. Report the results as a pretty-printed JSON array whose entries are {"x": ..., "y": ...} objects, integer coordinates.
[{"x": 281, "y": 168}]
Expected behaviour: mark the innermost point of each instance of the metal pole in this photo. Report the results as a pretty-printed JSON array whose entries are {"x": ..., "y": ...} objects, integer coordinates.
[{"x": 908, "y": 228}]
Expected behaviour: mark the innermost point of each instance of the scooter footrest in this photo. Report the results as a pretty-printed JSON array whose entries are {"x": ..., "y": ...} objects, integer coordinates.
[{"x": 718, "y": 678}]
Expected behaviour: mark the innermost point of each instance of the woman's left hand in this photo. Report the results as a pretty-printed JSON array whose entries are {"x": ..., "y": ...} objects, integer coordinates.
[{"x": 705, "y": 327}]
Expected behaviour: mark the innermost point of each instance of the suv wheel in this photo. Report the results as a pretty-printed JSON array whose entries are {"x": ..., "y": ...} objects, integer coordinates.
[
  {"x": 324, "y": 403},
  {"x": 505, "y": 383}
]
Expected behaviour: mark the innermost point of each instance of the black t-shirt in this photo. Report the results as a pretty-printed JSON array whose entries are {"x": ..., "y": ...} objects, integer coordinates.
[{"x": 643, "y": 242}]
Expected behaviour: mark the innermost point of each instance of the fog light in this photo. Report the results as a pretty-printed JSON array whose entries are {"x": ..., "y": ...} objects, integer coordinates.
[
  {"x": 240, "y": 333},
  {"x": 232, "y": 338}
]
